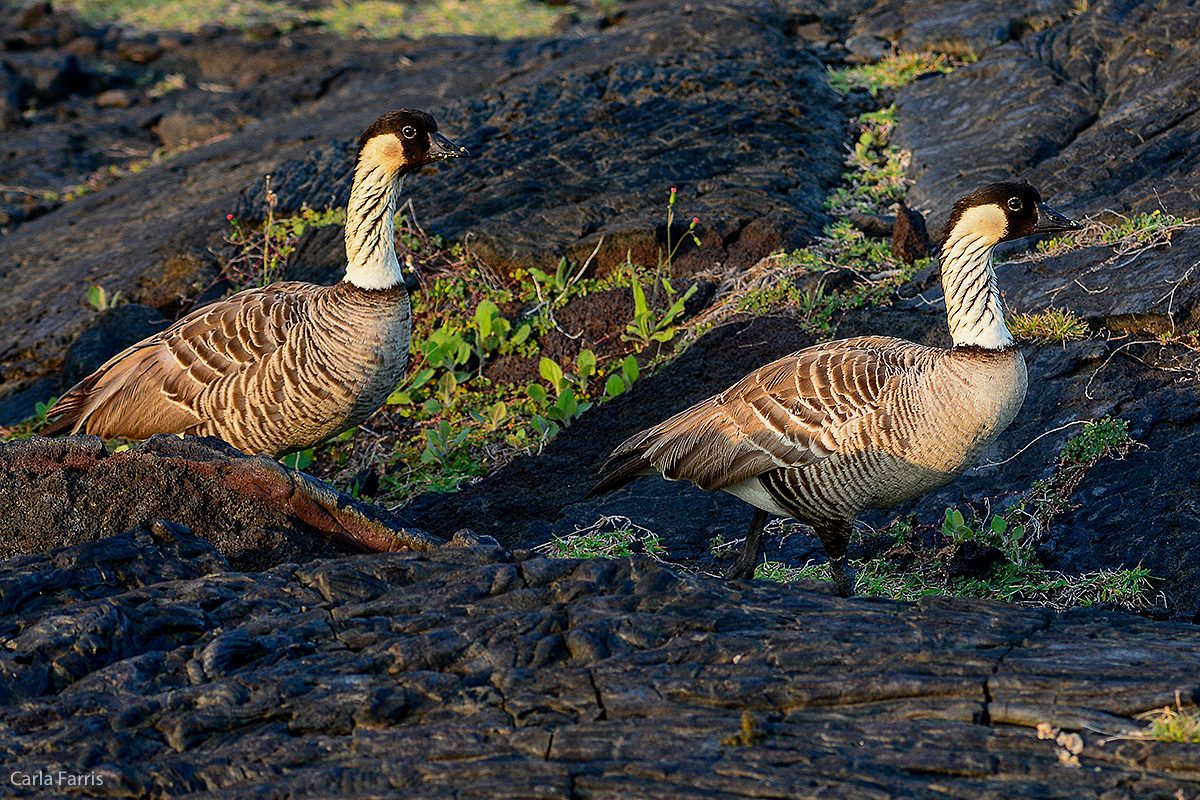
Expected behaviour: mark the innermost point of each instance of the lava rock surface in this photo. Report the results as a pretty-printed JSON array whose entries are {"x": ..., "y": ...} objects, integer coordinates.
[{"x": 141, "y": 660}]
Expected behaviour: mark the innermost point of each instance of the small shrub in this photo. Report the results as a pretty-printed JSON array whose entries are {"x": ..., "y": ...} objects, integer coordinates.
[
  {"x": 892, "y": 72},
  {"x": 608, "y": 537},
  {"x": 1051, "y": 325},
  {"x": 1171, "y": 724}
]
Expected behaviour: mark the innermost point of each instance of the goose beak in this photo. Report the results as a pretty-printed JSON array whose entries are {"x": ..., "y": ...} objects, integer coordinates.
[
  {"x": 441, "y": 147},
  {"x": 1049, "y": 220}
]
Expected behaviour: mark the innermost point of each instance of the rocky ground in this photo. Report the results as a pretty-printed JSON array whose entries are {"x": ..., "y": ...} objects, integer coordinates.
[{"x": 260, "y": 660}]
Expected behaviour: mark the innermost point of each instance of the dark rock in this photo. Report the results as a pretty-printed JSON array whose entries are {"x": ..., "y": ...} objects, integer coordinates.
[
  {"x": 259, "y": 514},
  {"x": 548, "y": 178},
  {"x": 114, "y": 98},
  {"x": 1083, "y": 111},
  {"x": 13, "y": 89},
  {"x": 958, "y": 27},
  {"x": 975, "y": 561},
  {"x": 82, "y": 46},
  {"x": 181, "y": 128},
  {"x": 876, "y": 225},
  {"x": 910, "y": 240},
  {"x": 141, "y": 660},
  {"x": 319, "y": 257},
  {"x": 33, "y": 15},
  {"x": 320, "y": 180},
  {"x": 138, "y": 51},
  {"x": 50, "y": 77},
  {"x": 867, "y": 49},
  {"x": 960, "y": 144}
]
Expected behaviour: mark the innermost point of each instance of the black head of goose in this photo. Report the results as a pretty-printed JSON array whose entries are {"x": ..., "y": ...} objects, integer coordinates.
[
  {"x": 281, "y": 368},
  {"x": 869, "y": 422}
]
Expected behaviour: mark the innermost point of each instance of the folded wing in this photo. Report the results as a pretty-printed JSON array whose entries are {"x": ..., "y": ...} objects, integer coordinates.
[{"x": 792, "y": 412}]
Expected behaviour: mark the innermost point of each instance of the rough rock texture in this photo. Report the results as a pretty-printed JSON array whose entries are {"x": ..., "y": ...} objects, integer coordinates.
[
  {"x": 959, "y": 27},
  {"x": 63, "y": 491},
  {"x": 473, "y": 673},
  {"x": 1099, "y": 111}
]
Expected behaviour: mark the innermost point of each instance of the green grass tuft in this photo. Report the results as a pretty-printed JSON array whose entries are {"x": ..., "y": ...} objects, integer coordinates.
[
  {"x": 608, "y": 537},
  {"x": 892, "y": 72},
  {"x": 1051, "y": 325}
]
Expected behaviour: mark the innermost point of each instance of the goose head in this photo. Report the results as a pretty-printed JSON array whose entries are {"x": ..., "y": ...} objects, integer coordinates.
[
  {"x": 1001, "y": 212},
  {"x": 402, "y": 140}
]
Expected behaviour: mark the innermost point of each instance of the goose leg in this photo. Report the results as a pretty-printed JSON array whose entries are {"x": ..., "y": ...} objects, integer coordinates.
[
  {"x": 835, "y": 536},
  {"x": 747, "y": 560},
  {"x": 843, "y": 576}
]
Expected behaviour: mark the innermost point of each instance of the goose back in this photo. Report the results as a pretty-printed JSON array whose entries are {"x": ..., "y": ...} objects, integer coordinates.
[{"x": 269, "y": 370}]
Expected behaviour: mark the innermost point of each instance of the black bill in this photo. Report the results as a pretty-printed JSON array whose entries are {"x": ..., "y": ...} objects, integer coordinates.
[
  {"x": 1049, "y": 220},
  {"x": 441, "y": 147}
]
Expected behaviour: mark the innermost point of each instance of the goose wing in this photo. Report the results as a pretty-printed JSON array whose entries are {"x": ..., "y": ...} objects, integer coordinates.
[
  {"x": 836, "y": 397},
  {"x": 170, "y": 382}
]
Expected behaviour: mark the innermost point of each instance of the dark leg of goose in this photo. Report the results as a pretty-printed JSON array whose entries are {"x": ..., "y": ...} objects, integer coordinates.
[
  {"x": 747, "y": 560},
  {"x": 835, "y": 537}
]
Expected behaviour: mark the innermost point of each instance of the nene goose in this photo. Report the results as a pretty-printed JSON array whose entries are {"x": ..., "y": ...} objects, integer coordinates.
[
  {"x": 869, "y": 422},
  {"x": 278, "y": 369}
]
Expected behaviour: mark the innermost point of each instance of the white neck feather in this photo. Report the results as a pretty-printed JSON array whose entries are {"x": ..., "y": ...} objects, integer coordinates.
[
  {"x": 370, "y": 227},
  {"x": 973, "y": 305}
]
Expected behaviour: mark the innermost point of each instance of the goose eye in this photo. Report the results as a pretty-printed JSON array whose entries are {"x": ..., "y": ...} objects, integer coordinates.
[
  {"x": 408, "y": 131},
  {"x": 1014, "y": 204}
]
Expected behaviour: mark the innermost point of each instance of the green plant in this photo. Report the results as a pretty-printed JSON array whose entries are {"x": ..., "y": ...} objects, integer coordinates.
[
  {"x": 405, "y": 393},
  {"x": 778, "y": 572},
  {"x": 1104, "y": 437},
  {"x": 1132, "y": 233},
  {"x": 893, "y": 71},
  {"x": 446, "y": 350},
  {"x": 101, "y": 300},
  {"x": 621, "y": 380},
  {"x": 259, "y": 253},
  {"x": 608, "y": 537},
  {"x": 490, "y": 333},
  {"x": 493, "y": 416},
  {"x": 558, "y": 285},
  {"x": 299, "y": 461},
  {"x": 689, "y": 233},
  {"x": 445, "y": 395},
  {"x": 1051, "y": 325},
  {"x": 440, "y": 443},
  {"x": 647, "y": 326},
  {"x": 1171, "y": 724}
]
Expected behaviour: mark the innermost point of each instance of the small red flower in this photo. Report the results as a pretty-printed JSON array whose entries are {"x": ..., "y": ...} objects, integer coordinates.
[
  {"x": 695, "y": 220},
  {"x": 229, "y": 216}
]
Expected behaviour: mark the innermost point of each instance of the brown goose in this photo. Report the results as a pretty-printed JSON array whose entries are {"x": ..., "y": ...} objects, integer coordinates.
[
  {"x": 281, "y": 368},
  {"x": 869, "y": 422}
]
